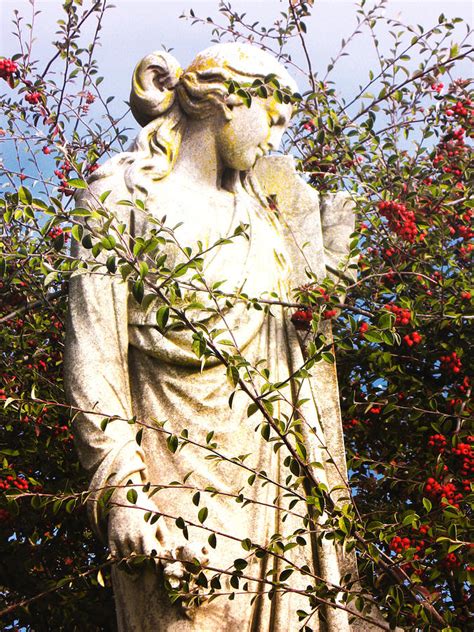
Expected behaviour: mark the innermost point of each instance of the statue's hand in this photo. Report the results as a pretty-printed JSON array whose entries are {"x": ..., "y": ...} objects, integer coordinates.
[
  {"x": 129, "y": 533},
  {"x": 184, "y": 559}
]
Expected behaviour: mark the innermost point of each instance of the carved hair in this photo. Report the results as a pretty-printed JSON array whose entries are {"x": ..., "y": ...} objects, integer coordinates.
[{"x": 164, "y": 97}]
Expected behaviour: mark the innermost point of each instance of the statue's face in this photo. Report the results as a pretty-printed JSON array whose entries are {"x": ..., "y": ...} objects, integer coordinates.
[{"x": 251, "y": 132}]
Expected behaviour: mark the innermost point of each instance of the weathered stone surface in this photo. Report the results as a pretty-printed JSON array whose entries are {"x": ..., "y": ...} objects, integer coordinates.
[{"x": 118, "y": 364}]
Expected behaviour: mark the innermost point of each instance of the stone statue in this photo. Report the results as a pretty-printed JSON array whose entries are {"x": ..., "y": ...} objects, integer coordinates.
[{"x": 200, "y": 160}]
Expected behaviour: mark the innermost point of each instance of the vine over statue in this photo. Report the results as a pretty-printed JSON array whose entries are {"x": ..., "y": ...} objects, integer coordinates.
[{"x": 197, "y": 418}]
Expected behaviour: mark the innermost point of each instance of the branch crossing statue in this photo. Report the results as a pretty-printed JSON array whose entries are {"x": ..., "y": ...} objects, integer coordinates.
[{"x": 216, "y": 477}]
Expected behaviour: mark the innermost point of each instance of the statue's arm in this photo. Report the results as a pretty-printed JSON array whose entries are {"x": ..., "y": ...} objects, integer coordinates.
[
  {"x": 317, "y": 227},
  {"x": 96, "y": 374},
  {"x": 337, "y": 224}
]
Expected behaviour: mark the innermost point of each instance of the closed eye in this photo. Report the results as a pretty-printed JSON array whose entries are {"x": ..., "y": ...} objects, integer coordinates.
[{"x": 278, "y": 121}]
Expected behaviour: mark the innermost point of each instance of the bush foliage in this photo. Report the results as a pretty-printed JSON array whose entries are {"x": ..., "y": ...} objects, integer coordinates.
[{"x": 401, "y": 148}]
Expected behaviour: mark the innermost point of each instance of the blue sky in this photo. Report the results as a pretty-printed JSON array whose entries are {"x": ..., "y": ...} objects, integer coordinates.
[{"x": 135, "y": 28}]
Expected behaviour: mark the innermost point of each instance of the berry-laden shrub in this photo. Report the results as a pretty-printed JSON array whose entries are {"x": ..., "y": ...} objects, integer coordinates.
[{"x": 401, "y": 148}]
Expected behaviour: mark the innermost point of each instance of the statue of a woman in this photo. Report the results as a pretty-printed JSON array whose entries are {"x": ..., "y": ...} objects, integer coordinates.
[{"x": 199, "y": 162}]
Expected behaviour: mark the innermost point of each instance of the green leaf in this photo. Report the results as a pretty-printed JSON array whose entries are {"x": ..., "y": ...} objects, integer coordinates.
[
  {"x": 386, "y": 320},
  {"x": 212, "y": 540},
  {"x": 285, "y": 574},
  {"x": 132, "y": 496},
  {"x": 202, "y": 515},
  {"x": 108, "y": 242},
  {"x": 77, "y": 232},
  {"x": 240, "y": 564},
  {"x": 100, "y": 578},
  {"x": 373, "y": 336},
  {"x": 143, "y": 269},
  {"x": 252, "y": 409},
  {"x": 162, "y": 316},
  {"x": 265, "y": 431},
  {"x": 24, "y": 195},
  {"x": 77, "y": 183},
  {"x": 172, "y": 443},
  {"x": 87, "y": 241},
  {"x": 232, "y": 374},
  {"x": 301, "y": 451},
  {"x": 138, "y": 290},
  {"x": 111, "y": 264}
]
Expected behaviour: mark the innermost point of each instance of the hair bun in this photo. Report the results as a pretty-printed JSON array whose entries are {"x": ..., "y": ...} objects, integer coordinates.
[{"x": 153, "y": 86}]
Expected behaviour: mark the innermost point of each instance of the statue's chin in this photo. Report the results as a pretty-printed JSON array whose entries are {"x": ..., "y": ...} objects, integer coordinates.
[{"x": 247, "y": 161}]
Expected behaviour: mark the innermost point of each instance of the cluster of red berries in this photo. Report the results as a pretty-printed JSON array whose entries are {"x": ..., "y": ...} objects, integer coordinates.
[
  {"x": 455, "y": 402},
  {"x": 437, "y": 87},
  {"x": 402, "y": 315},
  {"x": 321, "y": 290},
  {"x": 438, "y": 442},
  {"x": 56, "y": 232},
  {"x": 465, "y": 385},
  {"x": 449, "y": 151},
  {"x": 464, "y": 251},
  {"x": 466, "y": 485},
  {"x": 63, "y": 173},
  {"x": 90, "y": 98},
  {"x": 424, "y": 528},
  {"x": 400, "y": 219},
  {"x": 375, "y": 410},
  {"x": 33, "y": 98},
  {"x": 412, "y": 339},
  {"x": 309, "y": 125},
  {"x": 389, "y": 277},
  {"x": 461, "y": 225},
  {"x": 60, "y": 430},
  {"x": 451, "y": 561},
  {"x": 451, "y": 362},
  {"x": 461, "y": 108},
  {"x": 302, "y": 318},
  {"x": 446, "y": 493},
  {"x": 399, "y": 544},
  {"x": 7, "y": 69},
  {"x": 465, "y": 232},
  {"x": 458, "y": 134},
  {"x": 9, "y": 481},
  {"x": 91, "y": 168},
  {"x": 464, "y": 450},
  {"x": 351, "y": 423},
  {"x": 466, "y": 296},
  {"x": 389, "y": 252},
  {"x": 363, "y": 327}
]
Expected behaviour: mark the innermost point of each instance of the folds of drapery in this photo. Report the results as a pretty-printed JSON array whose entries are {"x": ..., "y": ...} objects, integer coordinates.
[
  {"x": 96, "y": 379},
  {"x": 98, "y": 337},
  {"x": 317, "y": 231}
]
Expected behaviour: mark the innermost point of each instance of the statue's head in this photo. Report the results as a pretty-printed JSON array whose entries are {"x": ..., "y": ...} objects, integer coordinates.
[{"x": 165, "y": 98}]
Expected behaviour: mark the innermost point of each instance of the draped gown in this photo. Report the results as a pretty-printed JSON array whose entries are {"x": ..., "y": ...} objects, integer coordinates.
[{"x": 118, "y": 364}]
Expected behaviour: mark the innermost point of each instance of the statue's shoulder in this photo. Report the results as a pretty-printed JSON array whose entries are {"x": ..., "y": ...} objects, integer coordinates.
[
  {"x": 108, "y": 178},
  {"x": 107, "y": 188},
  {"x": 279, "y": 179},
  {"x": 277, "y": 175}
]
